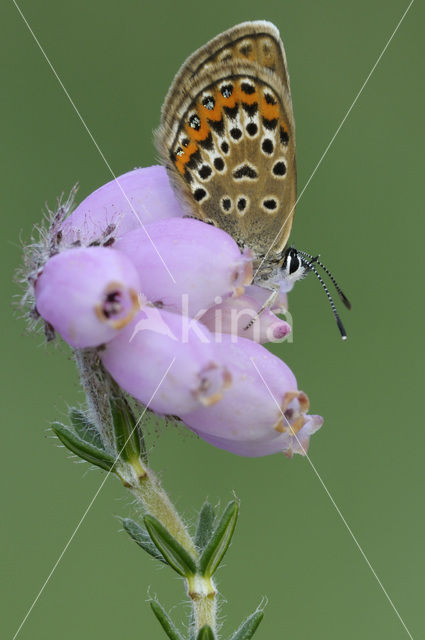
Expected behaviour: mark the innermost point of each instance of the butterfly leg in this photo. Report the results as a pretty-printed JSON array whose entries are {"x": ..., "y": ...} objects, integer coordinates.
[{"x": 274, "y": 288}]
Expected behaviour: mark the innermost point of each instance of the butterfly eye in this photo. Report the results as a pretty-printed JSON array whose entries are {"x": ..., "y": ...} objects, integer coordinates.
[{"x": 294, "y": 264}]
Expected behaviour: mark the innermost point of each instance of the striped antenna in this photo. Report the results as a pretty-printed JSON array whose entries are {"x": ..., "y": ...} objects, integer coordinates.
[
  {"x": 316, "y": 260},
  {"x": 309, "y": 265}
]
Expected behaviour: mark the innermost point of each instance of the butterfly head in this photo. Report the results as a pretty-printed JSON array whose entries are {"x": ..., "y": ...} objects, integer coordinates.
[{"x": 293, "y": 268}]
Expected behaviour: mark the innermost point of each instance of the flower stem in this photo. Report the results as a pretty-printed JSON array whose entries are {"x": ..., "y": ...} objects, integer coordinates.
[
  {"x": 147, "y": 489},
  {"x": 202, "y": 592},
  {"x": 142, "y": 482}
]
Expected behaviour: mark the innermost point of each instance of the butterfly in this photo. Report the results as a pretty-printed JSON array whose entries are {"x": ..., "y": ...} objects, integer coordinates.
[{"x": 227, "y": 140}]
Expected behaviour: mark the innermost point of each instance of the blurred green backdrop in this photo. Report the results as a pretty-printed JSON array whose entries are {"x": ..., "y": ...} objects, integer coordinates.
[{"x": 363, "y": 211}]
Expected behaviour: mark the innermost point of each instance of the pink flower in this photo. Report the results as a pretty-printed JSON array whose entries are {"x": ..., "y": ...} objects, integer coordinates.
[
  {"x": 131, "y": 201},
  {"x": 263, "y": 412},
  {"x": 168, "y": 361},
  {"x": 87, "y": 294},
  {"x": 234, "y": 314},
  {"x": 188, "y": 351},
  {"x": 201, "y": 263}
]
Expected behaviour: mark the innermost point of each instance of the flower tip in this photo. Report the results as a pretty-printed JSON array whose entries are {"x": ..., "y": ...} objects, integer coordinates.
[
  {"x": 118, "y": 306},
  {"x": 281, "y": 330},
  {"x": 214, "y": 380}
]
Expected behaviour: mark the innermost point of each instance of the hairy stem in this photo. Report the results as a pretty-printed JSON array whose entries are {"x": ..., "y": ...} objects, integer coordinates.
[
  {"x": 144, "y": 484},
  {"x": 142, "y": 481},
  {"x": 203, "y": 595},
  {"x": 98, "y": 391}
]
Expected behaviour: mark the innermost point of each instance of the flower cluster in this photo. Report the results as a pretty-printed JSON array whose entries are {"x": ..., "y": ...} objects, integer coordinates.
[{"x": 166, "y": 300}]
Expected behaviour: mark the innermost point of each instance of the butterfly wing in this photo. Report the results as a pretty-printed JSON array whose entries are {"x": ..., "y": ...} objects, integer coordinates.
[{"x": 227, "y": 136}]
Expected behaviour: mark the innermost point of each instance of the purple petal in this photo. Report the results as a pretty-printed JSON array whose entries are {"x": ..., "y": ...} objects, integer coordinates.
[
  {"x": 234, "y": 314},
  {"x": 139, "y": 357},
  {"x": 87, "y": 294},
  {"x": 186, "y": 264},
  {"x": 260, "y": 414},
  {"x": 135, "y": 198}
]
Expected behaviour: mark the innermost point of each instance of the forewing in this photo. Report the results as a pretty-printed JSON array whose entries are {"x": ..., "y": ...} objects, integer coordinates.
[{"x": 227, "y": 137}]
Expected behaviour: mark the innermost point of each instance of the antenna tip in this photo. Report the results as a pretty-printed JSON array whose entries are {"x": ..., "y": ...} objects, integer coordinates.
[
  {"x": 345, "y": 300},
  {"x": 341, "y": 328}
]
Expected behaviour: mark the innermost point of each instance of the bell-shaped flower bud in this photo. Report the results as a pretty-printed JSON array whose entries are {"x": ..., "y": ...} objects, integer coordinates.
[
  {"x": 239, "y": 317},
  {"x": 263, "y": 412},
  {"x": 87, "y": 294},
  {"x": 168, "y": 362},
  {"x": 201, "y": 263},
  {"x": 132, "y": 200}
]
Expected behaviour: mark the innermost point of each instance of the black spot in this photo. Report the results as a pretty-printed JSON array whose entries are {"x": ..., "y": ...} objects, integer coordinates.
[
  {"x": 219, "y": 164},
  {"x": 199, "y": 194},
  {"x": 267, "y": 146},
  {"x": 226, "y": 203},
  {"x": 187, "y": 176},
  {"x": 185, "y": 142},
  {"x": 270, "y": 124},
  {"x": 236, "y": 133},
  {"x": 241, "y": 204},
  {"x": 294, "y": 264},
  {"x": 269, "y": 98},
  {"x": 247, "y": 88},
  {"x": 179, "y": 151},
  {"x": 231, "y": 112},
  {"x": 225, "y": 147},
  {"x": 245, "y": 172},
  {"x": 218, "y": 126},
  {"x": 270, "y": 204},
  {"x": 194, "y": 160},
  {"x": 207, "y": 143},
  {"x": 252, "y": 128},
  {"x": 205, "y": 171},
  {"x": 226, "y": 90},
  {"x": 208, "y": 103},
  {"x": 279, "y": 169},
  {"x": 250, "y": 109},
  {"x": 246, "y": 49},
  {"x": 284, "y": 138},
  {"x": 195, "y": 122}
]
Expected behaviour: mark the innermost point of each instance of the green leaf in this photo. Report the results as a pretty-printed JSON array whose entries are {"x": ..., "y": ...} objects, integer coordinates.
[
  {"x": 220, "y": 540},
  {"x": 83, "y": 449},
  {"x": 141, "y": 537},
  {"x": 176, "y": 556},
  {"x": 249, "y": 627},
  {"x": 84, "y": 428},
  {"x": 205, "y": 526},
  {"x": 165, "y": 621},
  {"x": 206, "y": 633},
  {"x": 125, "y": 428}
]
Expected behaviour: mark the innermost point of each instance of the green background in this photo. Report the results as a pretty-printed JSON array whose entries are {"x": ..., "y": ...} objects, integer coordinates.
[{"x": 363, "y": 211}]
